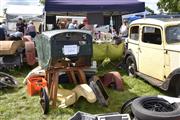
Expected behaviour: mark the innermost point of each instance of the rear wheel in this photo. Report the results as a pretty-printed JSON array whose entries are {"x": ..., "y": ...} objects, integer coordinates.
[
  {"x": 131, "y": 66},
  {"x": 174, "y": 87},
  {"x": 177, "y": 86}
]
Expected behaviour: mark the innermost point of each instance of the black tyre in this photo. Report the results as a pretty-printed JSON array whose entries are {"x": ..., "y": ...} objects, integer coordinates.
[
  {"x": 44, "y": 101},
  {"x": 131, "y": 66},
  {"x": 126, "y": 107},
  {"x": 174, "y": 86},
  {"x": 154, "y": 108},
  {"x": 177, "y": 86}
]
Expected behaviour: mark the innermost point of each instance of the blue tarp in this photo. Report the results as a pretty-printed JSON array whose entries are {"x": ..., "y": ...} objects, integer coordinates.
[{"x": 126, "y": 6}]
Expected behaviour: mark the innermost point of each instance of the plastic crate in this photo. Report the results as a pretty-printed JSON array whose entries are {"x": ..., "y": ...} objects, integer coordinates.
[
  {"x": 113, "y": 116},
  {"x": 106, "y": 116},
  {"x": 35, "y": 84}
]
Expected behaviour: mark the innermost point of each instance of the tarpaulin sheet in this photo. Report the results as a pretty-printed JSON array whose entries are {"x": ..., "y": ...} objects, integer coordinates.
[{"x": 102, "y": 51}]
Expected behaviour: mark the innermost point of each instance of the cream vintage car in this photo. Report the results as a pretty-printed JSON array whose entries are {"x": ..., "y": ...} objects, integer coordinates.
[{"x": 153, "y": 52}]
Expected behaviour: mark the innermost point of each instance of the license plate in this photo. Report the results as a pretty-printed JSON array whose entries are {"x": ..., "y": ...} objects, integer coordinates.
[{"x": 70, "y": 50}]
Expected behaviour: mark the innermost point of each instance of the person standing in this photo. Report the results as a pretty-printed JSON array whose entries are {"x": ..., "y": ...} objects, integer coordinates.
[
  {"x": 20, "y": 25},
  {"x": 31, "y": 29},
  {"x": 73, "y": 25},
  {"x": 124, "y": 29},
  {"x": 87, "y": 26},
  {"x": 2, "y": 32}
]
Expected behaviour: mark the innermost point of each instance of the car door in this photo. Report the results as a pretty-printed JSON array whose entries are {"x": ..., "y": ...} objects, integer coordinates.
[
  {"x": 133, "y": 41},
  {"x": 151, "y": 54}
]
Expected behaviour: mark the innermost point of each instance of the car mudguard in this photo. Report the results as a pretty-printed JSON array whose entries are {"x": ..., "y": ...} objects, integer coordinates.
[{"x": 113, "y": 78}]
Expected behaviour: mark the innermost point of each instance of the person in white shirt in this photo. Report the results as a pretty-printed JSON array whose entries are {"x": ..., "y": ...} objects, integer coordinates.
[
  {"x": 73, "y": 25},
  {"x": 31, "y": 30},
  {"x": 124, "y": 29}
]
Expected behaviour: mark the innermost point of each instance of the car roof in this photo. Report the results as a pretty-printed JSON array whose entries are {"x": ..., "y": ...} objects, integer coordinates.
[{"x": 157, "y": 21}]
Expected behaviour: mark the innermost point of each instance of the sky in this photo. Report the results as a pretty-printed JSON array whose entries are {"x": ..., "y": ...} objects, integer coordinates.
[{"x": 151, "y": 4}]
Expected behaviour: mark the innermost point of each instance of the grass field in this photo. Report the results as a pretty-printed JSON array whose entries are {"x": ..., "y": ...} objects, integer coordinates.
[{"x": 15, "y": 104}]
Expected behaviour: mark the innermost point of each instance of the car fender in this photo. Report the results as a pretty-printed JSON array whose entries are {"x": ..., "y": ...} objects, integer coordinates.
[
  {"x": 85, "y": 91},
  {"x": 166, "y": 84}
]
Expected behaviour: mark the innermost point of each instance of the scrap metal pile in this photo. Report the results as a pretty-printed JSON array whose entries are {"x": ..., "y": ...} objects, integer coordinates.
[{"x": 68, "y": 52}]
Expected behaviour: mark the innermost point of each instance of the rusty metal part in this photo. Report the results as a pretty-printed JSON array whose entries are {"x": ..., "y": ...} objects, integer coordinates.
[
  {"x": 99, "y": 90},
  {"x": 114, "y": 78},
  {"x": 10, "y": 47},
  {"x": 30, "y": 53}
]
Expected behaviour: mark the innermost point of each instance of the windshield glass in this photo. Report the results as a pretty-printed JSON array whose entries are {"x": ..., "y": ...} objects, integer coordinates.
[{"x": 173, "y": 34}]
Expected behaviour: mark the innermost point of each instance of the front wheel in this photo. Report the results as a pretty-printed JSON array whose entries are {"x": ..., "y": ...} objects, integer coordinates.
[{"x": 131, "y": 66}]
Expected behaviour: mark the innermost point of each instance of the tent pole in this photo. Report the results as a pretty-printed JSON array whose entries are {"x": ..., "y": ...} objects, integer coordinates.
[{"x": 44, "y": 27}]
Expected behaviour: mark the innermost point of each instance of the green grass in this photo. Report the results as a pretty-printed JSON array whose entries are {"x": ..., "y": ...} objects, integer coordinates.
[{"x": 15, "y": 104}]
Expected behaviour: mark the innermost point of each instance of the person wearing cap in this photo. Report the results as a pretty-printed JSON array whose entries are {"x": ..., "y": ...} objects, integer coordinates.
[{"x": 31, "y": 30}]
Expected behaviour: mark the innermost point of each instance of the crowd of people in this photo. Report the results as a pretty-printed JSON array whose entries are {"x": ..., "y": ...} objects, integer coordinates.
[
  {"x": 23, "y": 28},
  {"x": 65, "y": 24},
  {"x": 26, "y": 29}
]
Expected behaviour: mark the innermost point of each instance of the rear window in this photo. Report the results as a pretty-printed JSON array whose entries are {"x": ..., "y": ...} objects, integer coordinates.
[
  {"x": 151, "y": 35},
  {"x": 173, "y": 34}
]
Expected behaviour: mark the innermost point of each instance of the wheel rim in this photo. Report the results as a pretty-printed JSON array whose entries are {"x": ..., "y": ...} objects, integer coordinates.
[
  {"x": 131, "y": 67},
  {"x": 158, "y": 106}
]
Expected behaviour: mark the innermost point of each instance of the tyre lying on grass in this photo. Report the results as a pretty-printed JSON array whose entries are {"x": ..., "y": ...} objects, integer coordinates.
[
  {"x": 154, "y": 108},
  {"x": 126, "y": 107},
  {"x": 7, "y": 81}
]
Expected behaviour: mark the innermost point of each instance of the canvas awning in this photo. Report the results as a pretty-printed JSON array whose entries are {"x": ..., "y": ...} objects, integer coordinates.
[{"x": 121, "y": 6}]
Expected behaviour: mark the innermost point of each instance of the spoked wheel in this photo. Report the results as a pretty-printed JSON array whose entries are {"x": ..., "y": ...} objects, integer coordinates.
[
  {"x": 158, "y": 106},
  {"x": 154, "y": 108},
  {"x": 131, "y": 66},
  {"x": 44, "y": 101}
]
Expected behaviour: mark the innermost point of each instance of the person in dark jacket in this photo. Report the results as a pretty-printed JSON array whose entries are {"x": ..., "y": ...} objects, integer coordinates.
[
  {"x": 20, "y": 25},
  {"x": 2, "y": 32}
]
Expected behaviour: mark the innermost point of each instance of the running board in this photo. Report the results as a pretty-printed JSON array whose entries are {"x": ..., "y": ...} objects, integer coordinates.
[{"x": 151, "y": 80}]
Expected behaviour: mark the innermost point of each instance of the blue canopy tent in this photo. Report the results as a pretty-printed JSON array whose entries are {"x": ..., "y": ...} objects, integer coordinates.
[
  {"x": 123, "y": 6},
  {"x": 107, "y": 8}
]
